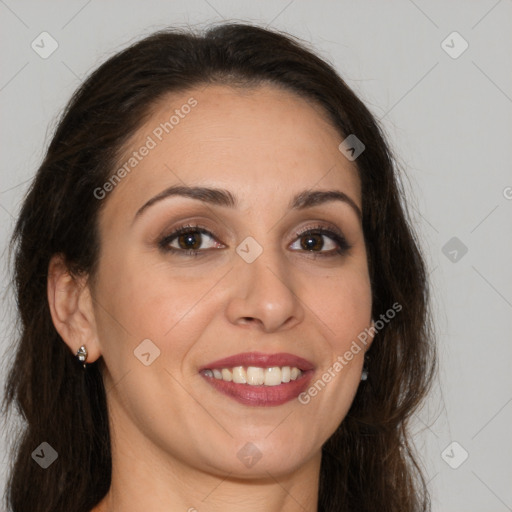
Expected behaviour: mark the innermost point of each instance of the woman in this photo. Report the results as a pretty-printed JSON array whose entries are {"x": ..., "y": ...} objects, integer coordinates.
[{"x": 222, "y": 302}]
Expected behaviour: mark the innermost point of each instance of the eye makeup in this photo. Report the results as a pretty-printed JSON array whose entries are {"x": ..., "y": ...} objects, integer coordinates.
[{"x": 187, "y": 241}]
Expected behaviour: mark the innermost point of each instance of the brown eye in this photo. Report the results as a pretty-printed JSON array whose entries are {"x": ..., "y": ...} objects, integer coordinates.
[
  {"x": 191, "y": 240},
  {"x": 312, "y": 242},
  {"x": 321, "y": 242}
]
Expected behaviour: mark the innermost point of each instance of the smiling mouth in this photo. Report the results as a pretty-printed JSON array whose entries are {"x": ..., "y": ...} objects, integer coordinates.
[
  {"x": 254, "y": 375},
  {"x": 259, "y": 379},
  {"x": 261, "y": 386}
]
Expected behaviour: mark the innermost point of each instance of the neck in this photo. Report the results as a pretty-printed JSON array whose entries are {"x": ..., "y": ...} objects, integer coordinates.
[{"x": 140, "y": 486}]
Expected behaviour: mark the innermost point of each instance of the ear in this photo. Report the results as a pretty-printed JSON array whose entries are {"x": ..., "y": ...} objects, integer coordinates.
[
  {"x": 71, "y": 307},
  {"x": 371, "y": 335}
]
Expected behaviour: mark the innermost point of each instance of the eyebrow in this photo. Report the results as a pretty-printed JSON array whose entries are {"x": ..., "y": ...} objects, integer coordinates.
[{"x": 223, "y": 197}]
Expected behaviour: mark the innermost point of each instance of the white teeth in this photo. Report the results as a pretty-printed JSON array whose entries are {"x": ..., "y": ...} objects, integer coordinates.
[
  {"x": 227, "y": 375},
  {"x": 273, "y": 376},
  {"x": 254, "y": 375},
  {"x": 239, "y": 375}
]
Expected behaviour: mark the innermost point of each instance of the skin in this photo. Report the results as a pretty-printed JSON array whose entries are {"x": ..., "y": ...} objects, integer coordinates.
[{"x": 175, "y": 438}]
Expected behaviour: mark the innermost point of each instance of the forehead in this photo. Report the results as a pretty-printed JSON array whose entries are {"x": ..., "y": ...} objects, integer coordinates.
[{"x": 258, "y": 142}]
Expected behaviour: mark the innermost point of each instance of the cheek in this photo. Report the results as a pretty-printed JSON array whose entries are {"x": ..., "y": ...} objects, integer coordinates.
[
  {"x": 343, "y": 304},
  {"x": 137, "y": 302},
  {"x": 344, "y": 308}
]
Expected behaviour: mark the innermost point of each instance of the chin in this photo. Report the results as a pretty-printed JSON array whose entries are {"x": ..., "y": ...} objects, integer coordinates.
[{"x": 262, "y": 457}]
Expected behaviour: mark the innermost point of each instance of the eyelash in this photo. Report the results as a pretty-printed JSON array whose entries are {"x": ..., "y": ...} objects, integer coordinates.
[{"x": 334, "y": 234}]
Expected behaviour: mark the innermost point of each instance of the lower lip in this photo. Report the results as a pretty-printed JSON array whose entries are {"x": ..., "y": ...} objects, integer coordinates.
[{"x": 262, "y": 395}]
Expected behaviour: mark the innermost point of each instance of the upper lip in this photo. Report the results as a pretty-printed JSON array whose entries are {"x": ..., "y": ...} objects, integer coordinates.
[{"x": 260, "y": 360}]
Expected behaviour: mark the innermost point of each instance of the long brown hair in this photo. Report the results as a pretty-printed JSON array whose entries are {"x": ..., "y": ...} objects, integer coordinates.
[{"x": 369, "y": 462}]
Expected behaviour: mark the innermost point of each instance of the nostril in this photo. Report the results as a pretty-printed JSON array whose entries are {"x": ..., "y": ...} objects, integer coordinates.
[{"x": 249, "y": 320}]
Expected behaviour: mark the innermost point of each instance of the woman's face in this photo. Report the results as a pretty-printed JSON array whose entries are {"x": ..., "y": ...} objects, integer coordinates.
[{"x": 278, "y": 269}]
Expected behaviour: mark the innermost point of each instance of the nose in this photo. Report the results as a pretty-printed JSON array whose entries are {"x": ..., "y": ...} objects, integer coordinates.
[{"x": 264, "y": 295}]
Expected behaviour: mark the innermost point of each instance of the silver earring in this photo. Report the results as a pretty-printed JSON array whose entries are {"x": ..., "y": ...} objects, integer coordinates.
[
  {"x": 364, "y": 373},
  {"x": 81, "y": 354}
]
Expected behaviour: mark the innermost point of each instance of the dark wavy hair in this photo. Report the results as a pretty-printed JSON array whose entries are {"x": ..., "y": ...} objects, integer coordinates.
[{"x": 369, "y": 463}]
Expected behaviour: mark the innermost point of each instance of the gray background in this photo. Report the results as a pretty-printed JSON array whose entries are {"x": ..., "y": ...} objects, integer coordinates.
[{"x": 449, "y": 121}]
